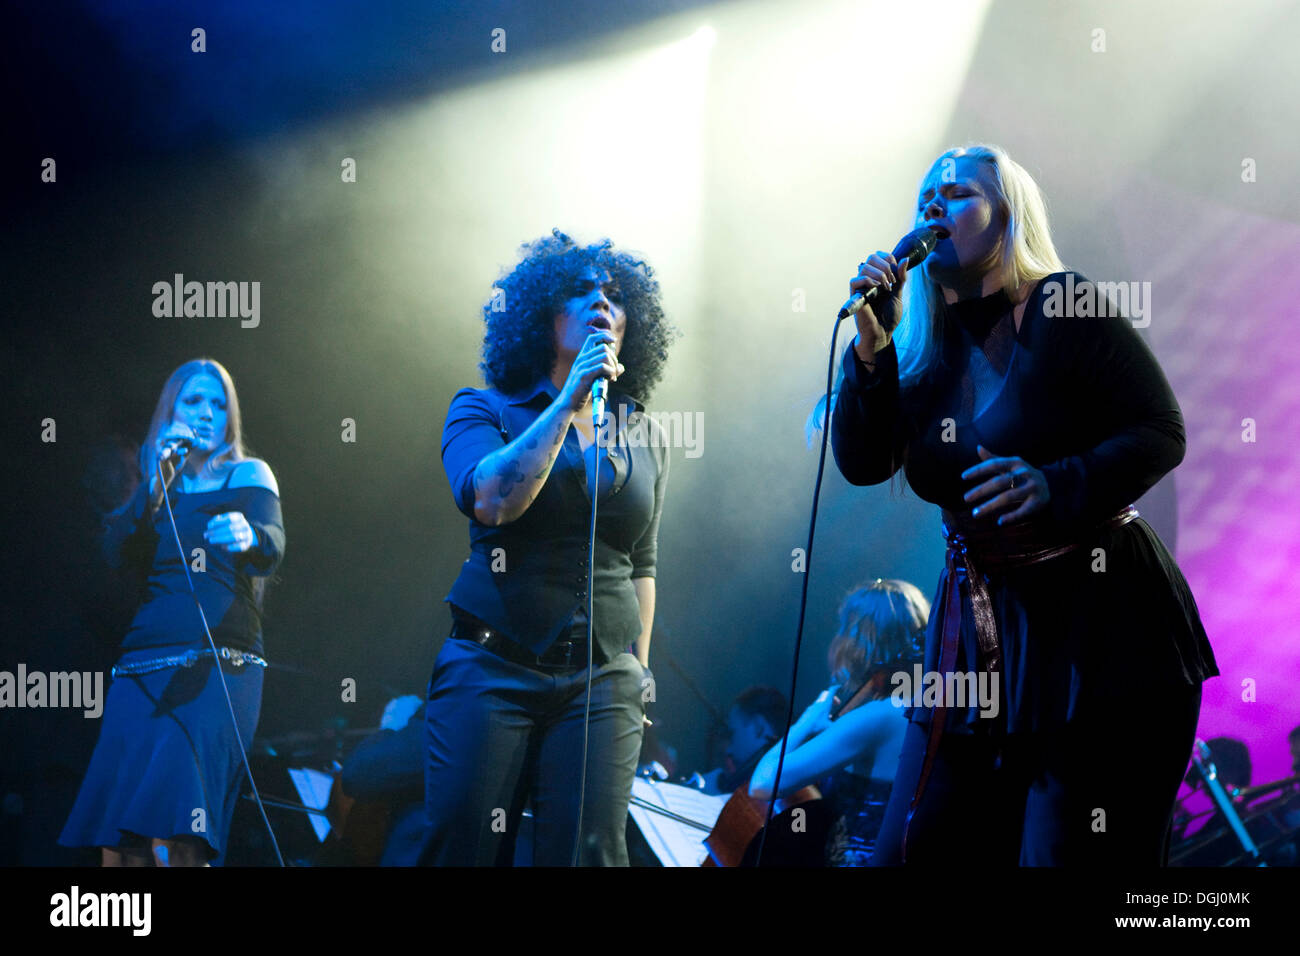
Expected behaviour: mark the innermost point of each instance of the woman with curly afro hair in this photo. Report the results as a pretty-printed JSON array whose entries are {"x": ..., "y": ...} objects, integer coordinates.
[{"x": 505, "y": 719}]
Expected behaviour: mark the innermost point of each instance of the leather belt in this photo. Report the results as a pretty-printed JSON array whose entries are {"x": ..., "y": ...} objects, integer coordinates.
[
  {"x": 977, "y": 550},
  {"x": 567, "y": 653}
]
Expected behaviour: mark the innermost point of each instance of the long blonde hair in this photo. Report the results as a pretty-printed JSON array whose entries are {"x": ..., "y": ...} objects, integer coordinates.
[
  {"x": 230, "y": 452},
  {"x": 1028, "y": 254}
]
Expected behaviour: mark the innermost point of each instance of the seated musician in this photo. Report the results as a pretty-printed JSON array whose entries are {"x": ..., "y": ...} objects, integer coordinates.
[
  {"x": 848, "y": 741},
  {"x": 753, "y": 724}
]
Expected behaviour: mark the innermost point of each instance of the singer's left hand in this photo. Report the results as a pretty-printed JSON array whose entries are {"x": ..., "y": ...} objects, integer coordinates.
[
  {"x": 230, "y": 531},
  {"x": 1012, "y": 488}
]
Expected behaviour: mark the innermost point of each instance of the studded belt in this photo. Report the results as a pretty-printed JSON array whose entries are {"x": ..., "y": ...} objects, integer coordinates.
[{"x": 236, "y": 658}]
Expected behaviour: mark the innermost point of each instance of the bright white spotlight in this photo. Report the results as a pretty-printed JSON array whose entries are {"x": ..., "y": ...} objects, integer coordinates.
[{"x": 703, "y": 38}]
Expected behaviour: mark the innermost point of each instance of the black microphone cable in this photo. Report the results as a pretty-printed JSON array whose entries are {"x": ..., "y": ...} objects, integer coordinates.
[
  {"x": 594, "y": 485},
  {"x": 216, "y": 659},
  {"x": 803, "y": 592},
  {"x": 914, "y": 247}
]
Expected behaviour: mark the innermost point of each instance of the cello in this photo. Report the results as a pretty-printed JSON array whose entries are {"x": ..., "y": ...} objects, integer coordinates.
[{"x": 791, "y": 841}]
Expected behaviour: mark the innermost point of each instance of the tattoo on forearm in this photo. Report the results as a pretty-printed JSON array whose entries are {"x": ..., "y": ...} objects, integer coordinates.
[
  {"x": 560, "y": 432},
  {"x": 508, "y": 475}
]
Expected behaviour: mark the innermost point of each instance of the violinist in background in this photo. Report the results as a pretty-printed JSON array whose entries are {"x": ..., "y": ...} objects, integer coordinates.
[
  {"x": 382, "y": 783},
  {"x": 848, "y": 741},
  {"x": 754, "y": 723}
]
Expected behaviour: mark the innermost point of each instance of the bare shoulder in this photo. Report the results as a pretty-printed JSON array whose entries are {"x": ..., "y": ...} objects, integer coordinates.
[
  {"x": 253, "y": 472},
  {"x": 876, "y": 718}
]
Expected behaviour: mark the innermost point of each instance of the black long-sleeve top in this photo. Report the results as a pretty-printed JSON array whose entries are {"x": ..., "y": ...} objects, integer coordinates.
[
  {"x": 143, "y": 539},
  {"x": 1084, "y": 401}
]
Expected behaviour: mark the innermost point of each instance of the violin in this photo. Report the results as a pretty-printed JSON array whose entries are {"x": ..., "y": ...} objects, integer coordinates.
[
  {"x": 358, "y": 829},
  {"x": 738, "y": 832}
]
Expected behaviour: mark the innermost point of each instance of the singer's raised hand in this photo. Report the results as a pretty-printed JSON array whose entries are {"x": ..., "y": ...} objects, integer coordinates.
[
  {"x": 878, "y": 317},
  {"x": 174, "y": 432},
  {"x": 508, "y": 480},
  {"x": 596, "y": 360}
]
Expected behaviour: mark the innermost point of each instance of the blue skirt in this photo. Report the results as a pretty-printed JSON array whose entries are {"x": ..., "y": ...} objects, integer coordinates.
[{"x": 167, "y": 762}]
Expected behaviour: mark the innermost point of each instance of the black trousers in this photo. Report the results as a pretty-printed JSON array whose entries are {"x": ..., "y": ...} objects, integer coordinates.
[
  {"x": 1098, "y": 792},
  {"x": 501, "y": 736}
]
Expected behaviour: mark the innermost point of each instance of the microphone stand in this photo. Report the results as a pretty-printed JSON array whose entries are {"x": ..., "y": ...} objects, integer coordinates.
[
  {"x": 685, "y": 676},
  {"x": 1202, "y": 758}
]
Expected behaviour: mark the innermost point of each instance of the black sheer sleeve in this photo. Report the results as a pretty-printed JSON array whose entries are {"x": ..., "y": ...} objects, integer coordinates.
[
  {"x": 868, "y": 434},
  {"x": 128, "y": 538},
  {"x": 1139, "y": 436},
  {"x": 262, "y": 512}
]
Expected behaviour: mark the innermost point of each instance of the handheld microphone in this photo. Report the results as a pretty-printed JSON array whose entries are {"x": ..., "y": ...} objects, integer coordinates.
[
  {"x": 913, "y": 247},
  {"x": 599, "y": 390},
  {"x": 175, "y": 448}
]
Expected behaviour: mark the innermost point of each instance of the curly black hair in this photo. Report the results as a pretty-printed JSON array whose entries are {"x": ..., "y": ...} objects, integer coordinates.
[{"x": 519, "y": 343}]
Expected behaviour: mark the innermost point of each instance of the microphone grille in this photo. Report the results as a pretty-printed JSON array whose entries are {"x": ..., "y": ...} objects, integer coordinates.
[{"x": 916, "y": 245}]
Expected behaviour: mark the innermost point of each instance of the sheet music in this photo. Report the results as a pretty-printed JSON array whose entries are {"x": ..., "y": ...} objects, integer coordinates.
[
  {"x": 314, "y": 790},
  {"x": 673, "y": 842}
]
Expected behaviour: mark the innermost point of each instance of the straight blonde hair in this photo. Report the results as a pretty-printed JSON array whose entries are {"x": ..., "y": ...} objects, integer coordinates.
[
  {"x": 1028, "y": 254},
  {"x": 230, "y": 452}
]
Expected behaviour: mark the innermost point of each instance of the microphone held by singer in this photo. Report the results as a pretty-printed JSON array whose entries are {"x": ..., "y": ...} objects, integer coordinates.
[{"x": 913, "y": 248}]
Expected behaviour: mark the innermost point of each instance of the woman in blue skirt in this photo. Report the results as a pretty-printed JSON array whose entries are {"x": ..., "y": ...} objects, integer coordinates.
[{"x": 163, "y": 780}]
